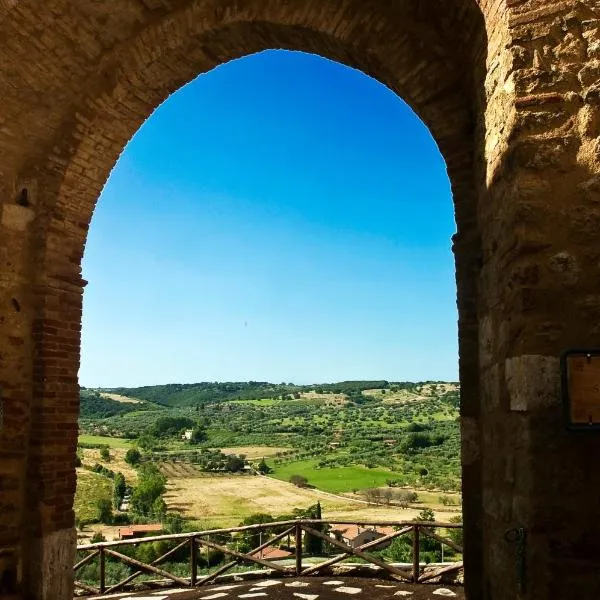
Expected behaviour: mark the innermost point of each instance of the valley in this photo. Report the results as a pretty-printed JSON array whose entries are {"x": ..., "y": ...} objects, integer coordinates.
[{"x": 363, "y": 450}]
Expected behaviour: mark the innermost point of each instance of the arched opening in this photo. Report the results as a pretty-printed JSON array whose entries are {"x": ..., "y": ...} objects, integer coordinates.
[{"x": 228, "y": 188}]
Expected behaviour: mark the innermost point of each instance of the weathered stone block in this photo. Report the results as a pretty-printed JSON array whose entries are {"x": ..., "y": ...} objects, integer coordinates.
[
  {"x": 15, "y": 217},
  {"x": 533, "y": 382}
]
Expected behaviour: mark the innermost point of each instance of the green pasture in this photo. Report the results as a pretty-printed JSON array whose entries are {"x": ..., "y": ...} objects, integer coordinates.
[
  {"x": 335, "y": 479},
  {"x": 90, "y": 488},
  {"x": 102, "y": 440}
]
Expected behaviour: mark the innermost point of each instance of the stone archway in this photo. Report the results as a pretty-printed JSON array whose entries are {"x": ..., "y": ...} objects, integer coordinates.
[{"x": 509, "y": 92}]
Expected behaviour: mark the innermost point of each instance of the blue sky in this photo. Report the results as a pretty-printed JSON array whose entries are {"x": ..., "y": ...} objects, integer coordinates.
[{"x": 281, "y": 218}]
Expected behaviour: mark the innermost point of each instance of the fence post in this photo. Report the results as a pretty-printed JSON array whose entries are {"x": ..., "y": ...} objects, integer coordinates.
[
  {"x": 102, "y": 561},
  {"x": 193, "y": 562},
  {"x": 298, "y": 548},
  {"x": 416, "y": 555}
]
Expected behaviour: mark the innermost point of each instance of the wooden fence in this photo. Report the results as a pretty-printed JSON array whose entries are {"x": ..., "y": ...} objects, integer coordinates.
[{"x": 295, "y": 530}]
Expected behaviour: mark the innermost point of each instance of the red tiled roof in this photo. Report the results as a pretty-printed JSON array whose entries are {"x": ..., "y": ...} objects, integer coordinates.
[
  {"x": 351, "y": 531},
  {"x": 271, "y": 553},
  {"x": 133, "y": 529},
  {"x": 146, "y": 528}
]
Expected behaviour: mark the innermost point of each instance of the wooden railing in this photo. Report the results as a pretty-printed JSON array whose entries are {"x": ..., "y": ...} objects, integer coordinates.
[{"x": 295, "y": 529}]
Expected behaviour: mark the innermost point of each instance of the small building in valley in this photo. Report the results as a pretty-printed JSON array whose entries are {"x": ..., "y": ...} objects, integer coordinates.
[
  {"x": 272, "y": 553},
  {"x": 135, "y": 531},
  {"x": 357, "y": 535}
]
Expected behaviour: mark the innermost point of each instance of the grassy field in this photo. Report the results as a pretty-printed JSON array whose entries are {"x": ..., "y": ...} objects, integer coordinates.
[
  {"x": 254, "y": 452},
  {"x": 334, "y": 480},
  {"x": 119, "y": 398},
  {"x": 90, "y": 488},
  {"x": 111, "y": 442},
  {"x": 116, "y": 463}
]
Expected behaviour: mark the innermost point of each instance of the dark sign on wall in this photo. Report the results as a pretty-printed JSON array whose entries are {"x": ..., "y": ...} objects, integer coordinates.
[{"x": 581, "y": 388}]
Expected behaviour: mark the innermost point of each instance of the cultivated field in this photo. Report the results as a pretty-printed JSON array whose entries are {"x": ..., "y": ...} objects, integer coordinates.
[
  {"x": 328, "y": 398},
  {"x": 222, "y": 501},
  {"x": 254, "y": 452},
  {"x": 424, "y": 392},
  {"x": 101, "y": 440},
  {"x": 116, "y": 463},
  {"x": 119, "y": 398},
  {"x": 175, "y": 470}
]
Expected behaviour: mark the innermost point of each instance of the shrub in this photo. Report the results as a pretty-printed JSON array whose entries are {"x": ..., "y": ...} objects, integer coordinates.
[
  {"x": 299, "y": 481},
  {"x": 133, "y": 456},
  {"x": 97, "y": 538}
]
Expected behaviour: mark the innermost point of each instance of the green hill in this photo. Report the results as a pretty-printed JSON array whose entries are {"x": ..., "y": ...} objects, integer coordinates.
[
  {"x": 194, "y": 394},
  {"x": 408, "y": 431}
]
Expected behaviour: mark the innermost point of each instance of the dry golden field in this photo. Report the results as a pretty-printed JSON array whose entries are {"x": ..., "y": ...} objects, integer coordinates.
[
  {"x": 116, "y": 463},
  {"x": 224, "y": 500}
]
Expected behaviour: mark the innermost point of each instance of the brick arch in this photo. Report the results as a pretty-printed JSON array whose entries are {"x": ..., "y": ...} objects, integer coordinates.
[
  {"x": 433, "y": 64},
  {"x": 506, "y": 109},
  {"x": 418, "y": 67}
]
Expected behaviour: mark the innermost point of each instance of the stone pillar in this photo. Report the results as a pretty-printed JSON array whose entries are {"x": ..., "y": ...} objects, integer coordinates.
[
  {"x": 538, "y": 294},
  {"x": 467, "y": 254}
]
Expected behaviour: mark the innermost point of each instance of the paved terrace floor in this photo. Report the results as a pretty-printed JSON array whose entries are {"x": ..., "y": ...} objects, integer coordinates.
[{"x": 310, "y": 588}]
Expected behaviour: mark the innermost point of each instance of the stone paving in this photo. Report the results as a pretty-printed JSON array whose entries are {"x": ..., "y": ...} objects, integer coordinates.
[{"x": 313, "y": 588}]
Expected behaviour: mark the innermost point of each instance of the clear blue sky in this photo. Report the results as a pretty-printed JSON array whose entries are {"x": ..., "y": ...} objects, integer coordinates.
[{"x": 281, "y": 218}]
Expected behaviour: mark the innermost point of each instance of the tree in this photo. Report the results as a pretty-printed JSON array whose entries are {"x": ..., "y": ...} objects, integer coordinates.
[
  {"x": 174, "y": 523},
  {"x": 119, "y": 489},
  {"x": 104, "y": 453},
  {"x": 456, "y": 535},
  {"x": 104, "y": 512},
  {"x": 426, "y": 515},
  {"x": 263, "y": 468},
  {"x": 405, "y": 497},
  {"x": 313, "y": 545},
  {"x": 150, "y": 489},
  {"x": 252, "y": 538},
  {"x": 147, "y": 441},
  {"x": 430, "y": 549},
  {"x": 133, "y": 456},
  {"x": 400, "y": 550},
  {"x": 170, "y": 426},
  {"x": 234, "y": 464},
  {"x": 198, "y": 435}
]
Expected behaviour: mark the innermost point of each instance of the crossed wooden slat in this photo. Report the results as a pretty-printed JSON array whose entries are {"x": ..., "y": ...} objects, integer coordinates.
[
  {"x": 395, "y": 572},
  {"x": 153, "y": 566}
]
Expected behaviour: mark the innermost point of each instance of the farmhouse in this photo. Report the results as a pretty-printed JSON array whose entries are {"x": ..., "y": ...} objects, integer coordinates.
[
  {"x": 135, "y": 531},
  {"x": 356, "y": 535},
  {"x": 272, "y": 553}
]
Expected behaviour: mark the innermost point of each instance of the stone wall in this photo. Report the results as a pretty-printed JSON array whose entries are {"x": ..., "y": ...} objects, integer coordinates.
[
  {"x": 509, "y": 90},
  {"x": 539, "y": 296}
]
